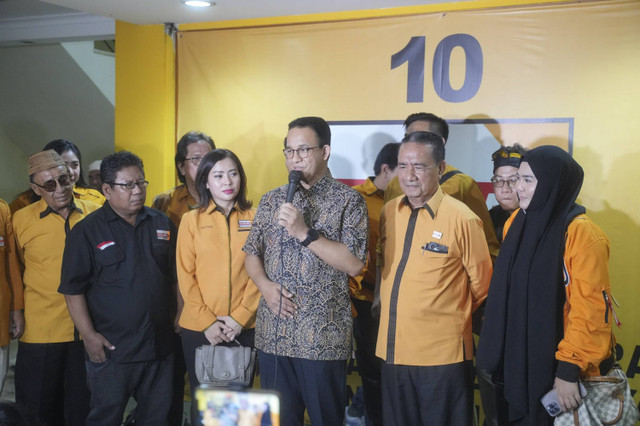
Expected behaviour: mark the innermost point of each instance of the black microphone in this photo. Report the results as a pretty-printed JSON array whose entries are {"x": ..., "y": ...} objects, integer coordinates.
[{"x": 294, "y": 180}]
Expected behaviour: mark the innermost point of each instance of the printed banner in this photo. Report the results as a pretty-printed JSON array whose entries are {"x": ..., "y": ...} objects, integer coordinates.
[{"x": 558, "y": 74}]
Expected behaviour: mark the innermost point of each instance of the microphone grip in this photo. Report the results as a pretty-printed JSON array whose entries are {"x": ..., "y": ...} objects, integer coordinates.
[
  {"x": 291, "y": 190},
  {"x": 294, "y": 180}
]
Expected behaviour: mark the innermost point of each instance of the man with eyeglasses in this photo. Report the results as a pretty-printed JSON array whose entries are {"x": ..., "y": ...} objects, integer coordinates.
[
  {"x": 50, "y": 381},
  {"x": 175, "y": 202},
  {"x": 300, "y": 254},
  {"x": 118, "y": 278},
  {"x": 453, "y": 182},
  {"x": 506, "y": 161}
]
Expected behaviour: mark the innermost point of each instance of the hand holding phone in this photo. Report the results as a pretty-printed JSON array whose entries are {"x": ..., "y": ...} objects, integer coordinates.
[{"x": 551, "y": 403}]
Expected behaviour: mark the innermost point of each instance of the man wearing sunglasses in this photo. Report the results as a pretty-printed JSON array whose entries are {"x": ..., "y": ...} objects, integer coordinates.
[{"x": 50, "y": 380}]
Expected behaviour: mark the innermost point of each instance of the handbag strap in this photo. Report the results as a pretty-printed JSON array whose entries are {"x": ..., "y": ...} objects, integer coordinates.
[
  {"x": 602, "y": 379},
  {"x": 576, "y": 418}
]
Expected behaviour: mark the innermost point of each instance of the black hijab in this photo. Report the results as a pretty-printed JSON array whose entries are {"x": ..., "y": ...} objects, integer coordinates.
[{"x": 523, "y": 321}]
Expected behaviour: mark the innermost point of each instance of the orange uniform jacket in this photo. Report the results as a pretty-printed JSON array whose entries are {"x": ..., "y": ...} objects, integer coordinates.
[
  {"x": 427, "y": 296},
  {"x": 461, "y": 187},
  {"x": 174, "y": 203},
  {"x": 211, "y": 273},
  {"x": 374, "y": 198},
  {"x": 7, "y": 286},
  {"x": 587, "y": 313},
  {"x": 35, "y": 262}
]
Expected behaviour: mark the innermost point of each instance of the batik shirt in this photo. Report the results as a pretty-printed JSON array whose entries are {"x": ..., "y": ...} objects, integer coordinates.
[{"x": 322, "y": 328}]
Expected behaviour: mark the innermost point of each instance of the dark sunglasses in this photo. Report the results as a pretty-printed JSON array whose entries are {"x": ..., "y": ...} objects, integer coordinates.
[{"x": 52, "y": 184}]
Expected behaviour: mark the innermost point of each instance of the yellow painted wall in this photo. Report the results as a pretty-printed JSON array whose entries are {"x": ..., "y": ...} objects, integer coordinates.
[{"x": 145, "y": 100}]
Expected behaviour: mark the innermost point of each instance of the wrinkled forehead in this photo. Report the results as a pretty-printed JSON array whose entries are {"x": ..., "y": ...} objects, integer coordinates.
[{"x": 52, "y": 173}]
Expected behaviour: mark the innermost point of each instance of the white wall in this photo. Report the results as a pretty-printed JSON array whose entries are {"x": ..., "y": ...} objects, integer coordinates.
[{"x": 46, "y": 95}]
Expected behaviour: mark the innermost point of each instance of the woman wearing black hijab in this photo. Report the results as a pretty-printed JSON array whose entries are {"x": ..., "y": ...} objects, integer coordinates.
[{"x": 547, "y": 320}]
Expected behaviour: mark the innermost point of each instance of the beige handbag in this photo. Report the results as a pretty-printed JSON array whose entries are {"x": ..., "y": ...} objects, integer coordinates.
[
  {"x": 608, "y": 402},
  {"x": 224, "y": 365}
]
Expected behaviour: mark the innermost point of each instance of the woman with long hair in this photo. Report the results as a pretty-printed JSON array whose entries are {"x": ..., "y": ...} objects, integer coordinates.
[{"x": 220, "y": 301}]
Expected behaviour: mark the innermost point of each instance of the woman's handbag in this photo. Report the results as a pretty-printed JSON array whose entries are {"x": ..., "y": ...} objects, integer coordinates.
[
  {"x": 224, "y": 365},
  {"x": 608, "y": 402}
]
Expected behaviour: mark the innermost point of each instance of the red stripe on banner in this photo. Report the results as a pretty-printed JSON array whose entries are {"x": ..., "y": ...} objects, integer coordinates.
[
  {"x": 352, "y": 182},
  {"x": 486, "y": 188}
]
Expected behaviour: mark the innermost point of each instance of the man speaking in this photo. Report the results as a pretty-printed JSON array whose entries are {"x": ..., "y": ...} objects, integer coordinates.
[{"x": 300, "y": 254}]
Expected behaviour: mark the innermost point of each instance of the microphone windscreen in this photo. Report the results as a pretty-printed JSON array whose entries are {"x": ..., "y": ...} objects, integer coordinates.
[{"x": 295, "y": 176}]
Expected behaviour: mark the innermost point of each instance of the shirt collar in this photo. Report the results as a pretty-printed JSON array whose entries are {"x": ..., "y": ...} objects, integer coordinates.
[
  {"x": 370, "y": 188},
  {"x": 322, "y": 184},
  {"x": 112, "y": 215},
  {"x": 48, "y": 209},
  {"x": 430, "y": 206},
  {"x": 212, "y": 207}
]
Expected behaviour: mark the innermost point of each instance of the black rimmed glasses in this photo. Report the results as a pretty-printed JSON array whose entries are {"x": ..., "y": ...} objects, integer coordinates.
[
  {"x": 195, "y": 160},
  {"x": 52, "y": 184},
  {"x": 302, "y": 152},
  {"x": 142, "y": 184},
  {"x": 499, "y": 183}
]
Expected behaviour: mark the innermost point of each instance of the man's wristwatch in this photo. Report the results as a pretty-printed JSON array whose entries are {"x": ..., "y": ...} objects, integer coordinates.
[{"x": 312, "y": 235}]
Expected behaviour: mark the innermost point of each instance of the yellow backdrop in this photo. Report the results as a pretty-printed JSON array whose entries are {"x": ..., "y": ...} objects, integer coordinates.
[{"x": 577, "y": 62}]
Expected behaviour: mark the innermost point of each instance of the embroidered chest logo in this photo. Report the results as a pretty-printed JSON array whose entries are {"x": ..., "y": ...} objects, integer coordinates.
[
  {"x": 103, "y": 245},
  {"x": 163, "y": 235}
]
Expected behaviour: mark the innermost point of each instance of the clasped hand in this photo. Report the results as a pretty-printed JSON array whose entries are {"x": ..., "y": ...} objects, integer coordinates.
[{"x": 225, "y": 329}]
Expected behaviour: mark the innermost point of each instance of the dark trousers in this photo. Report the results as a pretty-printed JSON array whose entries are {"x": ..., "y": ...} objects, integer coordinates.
[
  {"x": 113, "y": 383},
  {"x": 50, "y": 384},
  {"x": 365, "y": 332},
  {"x": 320, "y": 386},
  {"x": 179, "y": 370},
  {"x": 494, "y": 406},
  {"x": 190, "y": 341},
  {"x": 435, "y": 395}
]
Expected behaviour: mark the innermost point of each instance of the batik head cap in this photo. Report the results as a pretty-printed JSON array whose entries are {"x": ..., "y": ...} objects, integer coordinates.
[
  {"x": 44, "y": 160},
  {"x": 502, "y": 157}
]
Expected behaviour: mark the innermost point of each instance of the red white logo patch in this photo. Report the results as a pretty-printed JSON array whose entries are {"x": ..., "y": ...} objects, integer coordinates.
[
  {"x": 244, "y": 224},
  {"x": 163, "y": 235},
  {"x": 103, "y": 245}
]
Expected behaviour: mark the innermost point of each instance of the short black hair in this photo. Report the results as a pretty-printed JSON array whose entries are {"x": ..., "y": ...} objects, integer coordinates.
[
  {"x": 437, "y": 125},
  {"x": 208, "y": 161},
  {"x": 112, "y": 164},
  {"x": 388, "y": 155},
  {"x": 430, "y": 139},
  {"x": 183, "y": 145},
  {"x": 317, "y": 124},
  {"x": 61, "y": 146}
]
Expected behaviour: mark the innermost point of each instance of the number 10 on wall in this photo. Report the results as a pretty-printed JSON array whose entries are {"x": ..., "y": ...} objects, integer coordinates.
[{"x": 414, "y": 55}]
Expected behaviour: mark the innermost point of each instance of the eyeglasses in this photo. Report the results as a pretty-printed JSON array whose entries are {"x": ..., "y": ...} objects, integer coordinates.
[
  {"x": 499, "y": 183},
  {"x": 195, "y": 160},
  {"x": 142, "y": 184},
  {"x": 302, "y": 152},
  {"x": 52, "y": 184}
]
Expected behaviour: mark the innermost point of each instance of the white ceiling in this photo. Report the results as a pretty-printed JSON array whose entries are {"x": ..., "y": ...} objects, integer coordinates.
[
  {"x": 144, "y": 12},
  {"x": 53, "y": 21}
]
